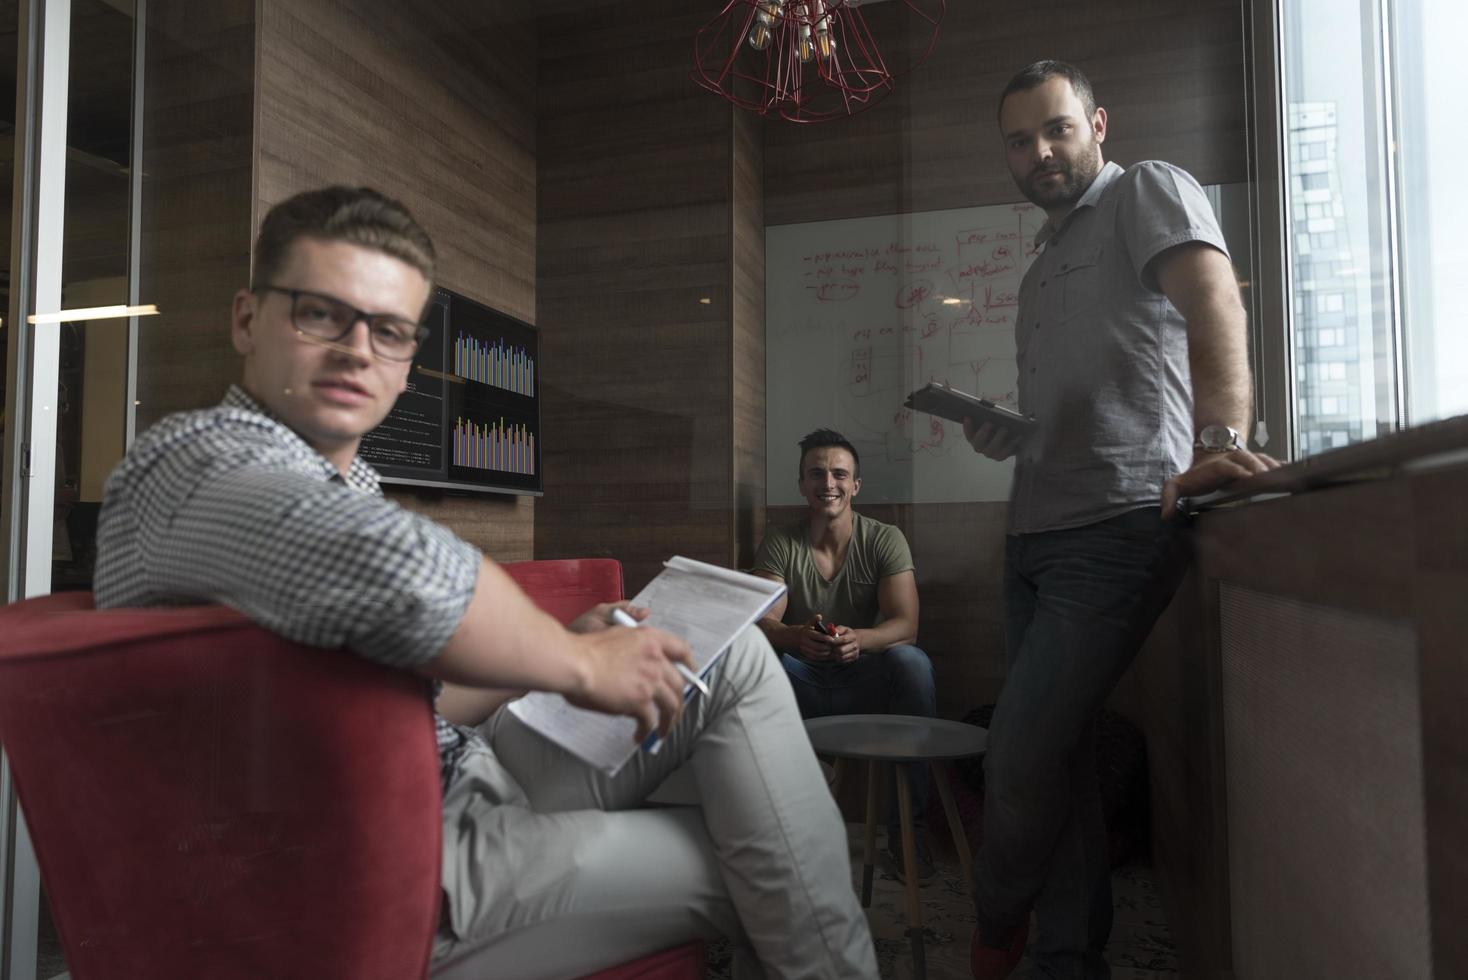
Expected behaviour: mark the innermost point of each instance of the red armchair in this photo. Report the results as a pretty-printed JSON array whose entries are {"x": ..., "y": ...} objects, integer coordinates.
[{"x": 207, "y": 799}]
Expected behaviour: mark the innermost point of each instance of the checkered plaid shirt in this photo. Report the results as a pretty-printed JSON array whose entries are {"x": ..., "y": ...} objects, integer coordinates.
[{"x": 229, "y": 505}]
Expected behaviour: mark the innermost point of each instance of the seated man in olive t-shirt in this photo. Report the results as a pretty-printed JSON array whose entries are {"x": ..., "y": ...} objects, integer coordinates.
[{"x": 846, "y": 627}]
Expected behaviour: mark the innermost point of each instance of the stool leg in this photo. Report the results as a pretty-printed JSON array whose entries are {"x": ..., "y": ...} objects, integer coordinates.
[
  {"x": 909, "y": 860},
  {"x": 869, "y": 841},
  {"x": 840, "y": 775},
  {"x": 955, "y": 825}
]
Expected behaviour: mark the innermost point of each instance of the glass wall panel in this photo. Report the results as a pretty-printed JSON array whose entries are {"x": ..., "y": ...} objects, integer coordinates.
[
  {"x": 1337, "y": 223},
  {"x": 91, "y": 398},
  {"x": 1430, "y": 39},
  {"x": 91, "y": 406}
]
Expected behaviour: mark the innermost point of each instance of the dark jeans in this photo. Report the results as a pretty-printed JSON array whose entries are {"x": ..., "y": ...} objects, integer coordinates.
[
  {"x": 1078, "y": 605},
  {"x": 897, "y": 681}
]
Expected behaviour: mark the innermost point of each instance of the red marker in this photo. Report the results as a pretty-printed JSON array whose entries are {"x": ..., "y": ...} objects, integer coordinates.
[{"x": 821, "y": 626}]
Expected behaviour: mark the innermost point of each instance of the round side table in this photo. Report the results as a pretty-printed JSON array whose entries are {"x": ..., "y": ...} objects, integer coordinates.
[{"x": 882, "y": 741}]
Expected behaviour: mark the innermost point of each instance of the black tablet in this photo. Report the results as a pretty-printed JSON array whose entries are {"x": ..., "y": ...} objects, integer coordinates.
[{"x": 950, "y": 403}]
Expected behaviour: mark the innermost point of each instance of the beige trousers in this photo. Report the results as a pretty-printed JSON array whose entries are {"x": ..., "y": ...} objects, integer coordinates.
[{"x": 553, "y": 869}]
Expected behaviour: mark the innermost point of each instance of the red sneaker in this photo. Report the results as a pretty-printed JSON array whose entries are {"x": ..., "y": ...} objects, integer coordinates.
[{"x": 994, "y": 962}]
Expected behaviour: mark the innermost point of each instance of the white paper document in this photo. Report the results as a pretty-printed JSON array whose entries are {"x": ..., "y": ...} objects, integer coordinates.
[{"x": 704, "y": 604}]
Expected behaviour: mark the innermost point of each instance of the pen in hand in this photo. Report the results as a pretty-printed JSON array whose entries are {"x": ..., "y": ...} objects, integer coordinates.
[{"x": 621, "y": 618}]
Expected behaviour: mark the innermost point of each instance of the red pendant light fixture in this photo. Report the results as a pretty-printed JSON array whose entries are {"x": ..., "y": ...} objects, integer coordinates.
[{"x": 810, "y": 60}]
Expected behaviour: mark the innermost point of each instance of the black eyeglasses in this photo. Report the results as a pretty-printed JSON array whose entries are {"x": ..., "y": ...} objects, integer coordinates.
[{"x": 323, "y": 317}]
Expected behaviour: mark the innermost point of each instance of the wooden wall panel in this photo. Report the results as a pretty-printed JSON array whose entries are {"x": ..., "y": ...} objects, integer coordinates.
[
  {"x": 748, "y": 296},
  {"x": 1170, "y": 75},
  {"x": 649, "y": 327},
  {"x": 433, "y": 104}
]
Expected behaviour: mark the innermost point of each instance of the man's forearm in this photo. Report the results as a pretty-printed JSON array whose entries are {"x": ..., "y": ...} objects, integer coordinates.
[
  {"x": 1199, "y": 281},
  {"x": 505, "y": 641},
  {"x": 778, "y": 633},
  {"x": 888, "y": 633},
  {"x": 472, "y": 705},
  {"x": 1218, "y": 358}
]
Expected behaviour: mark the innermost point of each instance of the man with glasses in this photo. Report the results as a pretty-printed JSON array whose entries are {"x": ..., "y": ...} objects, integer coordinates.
[{"x": 262, "y": 503}]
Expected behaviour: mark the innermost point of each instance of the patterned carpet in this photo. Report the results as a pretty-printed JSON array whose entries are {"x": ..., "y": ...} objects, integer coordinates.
[{"x": 1141, "y": 944}]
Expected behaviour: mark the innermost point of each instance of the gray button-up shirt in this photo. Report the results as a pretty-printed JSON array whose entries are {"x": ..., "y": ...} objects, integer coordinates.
[{"x": 1103, "y": 355}]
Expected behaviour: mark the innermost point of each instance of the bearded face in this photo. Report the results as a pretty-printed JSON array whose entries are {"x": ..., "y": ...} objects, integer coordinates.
[
  {"x": 1059, "y": 182},
  {"x": 1052, "y": 145}
]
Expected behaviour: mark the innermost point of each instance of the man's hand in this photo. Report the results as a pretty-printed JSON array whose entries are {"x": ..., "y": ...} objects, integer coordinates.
[
  {"x": 993, "y": 441},
  {"x": 845, "y": 645},
  {"x": 630, "y": 672},
  {"x": 812, "y": 642},
  {"x": 599, "y": 616},
  {"x": 1211, "y": 471}
]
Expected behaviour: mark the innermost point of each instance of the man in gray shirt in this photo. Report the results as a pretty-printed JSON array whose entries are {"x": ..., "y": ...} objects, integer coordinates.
[{"x": 1133, "y": 357}]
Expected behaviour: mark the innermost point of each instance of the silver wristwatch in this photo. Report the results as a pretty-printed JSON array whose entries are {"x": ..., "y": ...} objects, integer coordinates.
[{"x": 1218, "y": 439}]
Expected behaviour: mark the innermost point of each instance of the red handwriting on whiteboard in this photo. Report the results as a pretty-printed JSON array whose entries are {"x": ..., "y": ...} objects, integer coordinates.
[
  {"x": 935, "y": 433},
  {"x": 861, "y": 365},
  {"x": 821, "y": 258},
  {"x": 1002, "y": 299},
  {"x": 977, "y": 237},
  {"x": 913, "y": 293},
  {"x": 835, "y": 291},
  {"x": 970, "y": 239},
  {"x": 996, "y": 265}
]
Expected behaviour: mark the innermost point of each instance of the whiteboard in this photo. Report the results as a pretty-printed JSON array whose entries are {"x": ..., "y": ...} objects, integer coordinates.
[{"x": 861, "y": 311}]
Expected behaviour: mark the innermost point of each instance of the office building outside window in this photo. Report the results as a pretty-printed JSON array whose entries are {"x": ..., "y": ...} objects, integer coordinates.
[{"x": 1371, "y": 199}]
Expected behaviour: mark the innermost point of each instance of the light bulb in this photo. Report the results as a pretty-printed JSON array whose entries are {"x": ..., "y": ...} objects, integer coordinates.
[
  {"x": 825, "y": 44},
  {"x": 760, "y": 37},
  {"x": 803, "y": 47}
]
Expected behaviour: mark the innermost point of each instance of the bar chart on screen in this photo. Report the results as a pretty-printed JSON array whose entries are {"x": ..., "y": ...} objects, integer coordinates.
[
  {"x": 469, "y": 417},
  {"x": 505, "y": 446},
  {"x": 496, "y": 363}
]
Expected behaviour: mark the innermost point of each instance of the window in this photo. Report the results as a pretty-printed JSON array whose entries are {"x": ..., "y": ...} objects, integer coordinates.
[
  {"x": 1373, "y": 212},
  {"x": 1430, "y": 36}
]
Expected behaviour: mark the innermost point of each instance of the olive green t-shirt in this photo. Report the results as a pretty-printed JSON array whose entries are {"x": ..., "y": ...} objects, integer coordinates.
[{"x": 876, "y": 551}]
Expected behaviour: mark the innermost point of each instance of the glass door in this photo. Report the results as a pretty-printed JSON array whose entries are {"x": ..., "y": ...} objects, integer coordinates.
[{"x": 72, "y": 248}]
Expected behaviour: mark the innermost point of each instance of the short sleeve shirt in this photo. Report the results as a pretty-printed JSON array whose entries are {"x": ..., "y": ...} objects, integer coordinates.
[
  {"x": 877, "y": 551},
  {"x": 1103, "y": 355}
]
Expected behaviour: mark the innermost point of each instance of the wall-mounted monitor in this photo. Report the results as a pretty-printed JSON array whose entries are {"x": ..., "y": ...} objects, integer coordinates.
[{"x": 470, "y": 418}]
